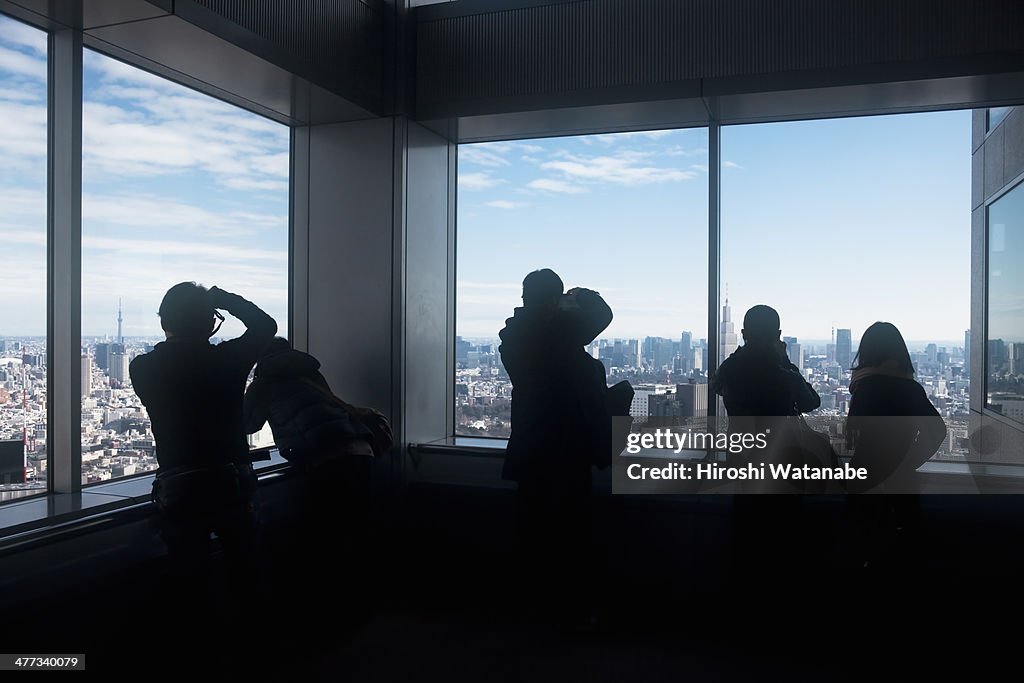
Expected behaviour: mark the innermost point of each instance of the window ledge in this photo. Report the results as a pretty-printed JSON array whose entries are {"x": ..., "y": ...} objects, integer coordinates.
[
  {"x": 51, "y": 512},
  {"x": 462, "y": 445}
]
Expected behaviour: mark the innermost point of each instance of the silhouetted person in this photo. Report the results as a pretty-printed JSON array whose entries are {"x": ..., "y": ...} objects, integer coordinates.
[
  {"x": 321, "y": 436},
  {"x": 193, "y": 391},
  {"x": 557, "y": 389},
  {"x": 762, "y": 390},
  {"x": 758, "y": 379},
  {"x": 893, "y": 429}
]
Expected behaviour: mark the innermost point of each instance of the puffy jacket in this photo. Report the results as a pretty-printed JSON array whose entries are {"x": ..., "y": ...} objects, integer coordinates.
[{"x": 292, "y": 395}]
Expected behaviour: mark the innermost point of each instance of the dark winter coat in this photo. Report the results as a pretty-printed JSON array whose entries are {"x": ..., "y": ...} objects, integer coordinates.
[{"x": 292, "y": 395}]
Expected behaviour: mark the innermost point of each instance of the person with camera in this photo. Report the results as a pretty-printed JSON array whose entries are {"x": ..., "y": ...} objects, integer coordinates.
[
  {"x": 758, "y": 379},
  {"x": 558, "y": 410},
  {"x": 765, "y": 393},
  {"x": 193, "y": 391}
]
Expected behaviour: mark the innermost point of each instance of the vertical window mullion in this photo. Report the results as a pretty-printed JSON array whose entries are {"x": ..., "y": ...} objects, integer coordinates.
[
  {"x": 64, "y": 267},
  {"x": 714, "y": 253}
]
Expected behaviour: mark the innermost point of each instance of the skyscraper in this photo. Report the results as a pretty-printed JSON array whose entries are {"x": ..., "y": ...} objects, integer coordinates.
[
  {"x": 86, "y": 374},
  {"x": 726, "y": 333},
  {"x": 119, "y": 364},
  {"x": 844, "y": 348},
  {"x": 967, "y": 353},
  {"x": 103, "y": 356},
  {"x": 662, "y": 353},
  {"x": 693, "y": 399},
  {"x": 687, "y": 343},
  {"x": 795, "y": 353}
]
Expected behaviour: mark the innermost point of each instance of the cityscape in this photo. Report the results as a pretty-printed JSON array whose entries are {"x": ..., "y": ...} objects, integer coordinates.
[
  {"x": 670, "y": 380},
  {"x": 116, "y": 436}
]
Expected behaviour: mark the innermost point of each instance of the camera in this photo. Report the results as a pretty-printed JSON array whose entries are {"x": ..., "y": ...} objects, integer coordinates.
[{"x": 567, "y": 302}]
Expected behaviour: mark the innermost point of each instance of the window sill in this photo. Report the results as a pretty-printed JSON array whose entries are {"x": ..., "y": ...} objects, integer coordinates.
[
  {"x": 53, "y": 512},
  {"x": 462, "y": 445}
]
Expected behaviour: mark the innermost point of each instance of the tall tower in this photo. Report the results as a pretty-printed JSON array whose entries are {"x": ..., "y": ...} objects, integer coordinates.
[
  {"x": 844, "y": 348},
  {"x": 86, "y": 374},
  {"x": 793, "y": 350},
  {"x": 967, "y": 353},
  {"x": 120, "y": 337},
  {"x": 726, "y": 332}
]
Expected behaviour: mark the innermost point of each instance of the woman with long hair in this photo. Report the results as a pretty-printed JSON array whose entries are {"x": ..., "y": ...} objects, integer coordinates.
[
  {"x": 893, "y": 426},
  {"x": 893, "y": 429}
]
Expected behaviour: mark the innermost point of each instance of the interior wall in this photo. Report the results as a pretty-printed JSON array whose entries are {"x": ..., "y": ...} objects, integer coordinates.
[
  {"x": 429, "y": 284},
  {"x": 350, "y": 266},
  {"x": 373, "y": 268}
]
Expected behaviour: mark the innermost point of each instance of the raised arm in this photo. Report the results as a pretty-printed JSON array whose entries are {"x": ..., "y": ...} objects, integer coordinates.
[
  {"x": 590, "y": 318},
  {"x": 260, "y": 327}
]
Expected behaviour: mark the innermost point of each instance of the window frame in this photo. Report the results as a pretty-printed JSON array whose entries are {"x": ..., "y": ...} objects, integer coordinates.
[
  {"x": 1016, "y": 183},
  {"x": 65, "y": 55},
  {"x": 714, "y": 266},
  {"x": 714, "y": 302}
]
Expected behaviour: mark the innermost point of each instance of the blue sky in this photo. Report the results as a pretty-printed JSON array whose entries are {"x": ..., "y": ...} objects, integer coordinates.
[
  {"x": 843, "y": 221},
  {"x": 838, "y": 222},
  {"x": 175, "y": 186}
]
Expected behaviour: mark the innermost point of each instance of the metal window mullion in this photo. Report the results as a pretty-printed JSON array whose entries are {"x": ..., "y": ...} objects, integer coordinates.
[
  {"x": 450, "y": 274},
  {"x": 298, "y": 239},
  {"x": 714, "y": 252},
  {"x": 64, "y": 262}
]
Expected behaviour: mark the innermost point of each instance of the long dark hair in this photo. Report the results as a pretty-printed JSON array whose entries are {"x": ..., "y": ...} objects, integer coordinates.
[{"x": 880, "y": 343}]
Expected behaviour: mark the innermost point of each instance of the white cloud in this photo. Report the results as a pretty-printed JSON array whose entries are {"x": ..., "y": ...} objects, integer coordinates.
[
  {"x": 168, "y": 248},
  {"x": 623, "y": 169},
  {"x": 612, "y": 138},
  {"x": 272, "y": 164},
  {"x": 470, "y": 154},
  {"x": 505, "y": 204},
  {"x": 155, "y": 212},
  {"x": 477, "y": 181},
  {"x": 138, "y": 124},
  {"x": 731, "y": 164},
  {"x": 250, "y": 184},
  {"x": 22, "y": 204},
  {"x": 15, "y": 236},
  {"x": 551, "y": 185},
  {"x": 16, "y": 33},
  {"x": 680, "y": 151},
  {"x": 36, "y": 95},
  {"x": 21, "y": 64}
]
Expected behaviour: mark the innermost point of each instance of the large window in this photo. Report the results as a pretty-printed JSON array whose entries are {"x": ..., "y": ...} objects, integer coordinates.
[
  {"x": 1004, "y": 357},
  {"x": 624, "y": 214},
  {"x": 836, "y": 223},
  {"x": 844, "y": 222},
  {"x": 23, "y": 107},
  {"x": 176, "y": 186}
]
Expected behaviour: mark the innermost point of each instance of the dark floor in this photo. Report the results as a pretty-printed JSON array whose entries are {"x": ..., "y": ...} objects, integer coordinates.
[{"x": 680, "y": 592}]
